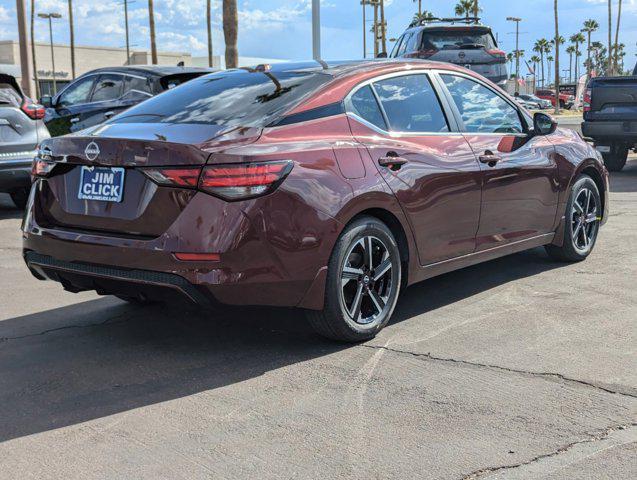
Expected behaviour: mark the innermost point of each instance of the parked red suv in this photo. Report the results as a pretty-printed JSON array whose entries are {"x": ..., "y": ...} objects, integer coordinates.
[
  {"x": 566, "y": 100},
  {"x": 324, "y": 187}
]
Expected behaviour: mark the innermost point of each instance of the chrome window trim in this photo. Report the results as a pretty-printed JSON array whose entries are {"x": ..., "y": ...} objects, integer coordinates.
[{"x": 397, "y": 134}]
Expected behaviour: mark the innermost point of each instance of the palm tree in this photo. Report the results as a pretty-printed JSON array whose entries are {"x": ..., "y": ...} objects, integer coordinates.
[
  {"x": 230, "y": 32},
  {"x": 464, "y": 7},
  {"x": 619, "y": 17},
  {"x": 570, "y": 50},
  {"x": 535, "y": 60},
  {"x": 421, "y": 18},
  {"x": 558, "y": 41},
  {"x": 549, "y": 60},
  {"x": 419, "y": 6},
  {"x": 151, "y": 21},
  {"x": 577, "y": 39},
  {"x": 542, "y": 46},
  {"x": 476, "y": 8},
  {"x": 72, "y": 38},
  {"x": 590, "y": 26},
  {"x": 209, "y": 25},
  {"x": 510, "y": 60}
]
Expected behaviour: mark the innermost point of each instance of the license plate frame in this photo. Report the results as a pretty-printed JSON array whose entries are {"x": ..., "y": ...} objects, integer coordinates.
[{"x": 104, "y": 184}]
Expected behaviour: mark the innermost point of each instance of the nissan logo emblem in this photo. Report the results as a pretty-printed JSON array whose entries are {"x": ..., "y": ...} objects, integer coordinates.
[{"x": 92, "y": 151}]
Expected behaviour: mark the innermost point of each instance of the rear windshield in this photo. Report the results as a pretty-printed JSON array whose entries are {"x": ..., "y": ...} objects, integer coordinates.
[
  {"x": 8, "y": 96},
  {"x": 456, "y": 40},
  {"x": 230, "y": 98},
  {"x": 172, "y": 81}
]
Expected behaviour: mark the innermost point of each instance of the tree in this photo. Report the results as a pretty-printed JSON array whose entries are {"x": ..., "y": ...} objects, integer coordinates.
[
  {"x": 590, "y": 26},
  {"x": 510, "y": 60},
  {"x": 619, "y": 17},
  {"x": 419, "y": 6},
  {"x": 558, "y": 40},
  {"x": 421, "y": 18},
  {"x": 577, "y": 39},
  {"x": 542, "y": 46},
  {"x": 570, "y": 50},
  {"x": 71, "y": 38},
  {"x": 151, "y": 21},
  {"x": 535, "y": 60},
  {"x": 549, "y": 62},
  {"x": 35, "y": 66},
  {"x": 209, "y": 26},
  {"x": 230, "y": 32},
  {"x": 609, "y": 69},
  {"x": 464, "y": 7}
]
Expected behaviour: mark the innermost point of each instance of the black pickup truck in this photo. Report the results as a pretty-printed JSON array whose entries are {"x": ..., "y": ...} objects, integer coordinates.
[{"x": 610, "y": 117}]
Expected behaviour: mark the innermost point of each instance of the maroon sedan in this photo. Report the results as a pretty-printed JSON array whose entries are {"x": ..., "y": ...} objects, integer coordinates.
[{"x": 323, "y": 187}]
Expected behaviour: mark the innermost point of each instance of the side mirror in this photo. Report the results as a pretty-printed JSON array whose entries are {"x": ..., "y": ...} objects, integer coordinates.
[
  {"x": 543, "y": 124},
  {"x": 382, "y": 55},
  {"x": 46, "y": 101}
]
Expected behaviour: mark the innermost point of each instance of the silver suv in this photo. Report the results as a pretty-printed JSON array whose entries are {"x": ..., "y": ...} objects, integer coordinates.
[
  {"x": 21, "y": 130},
  {"x": 462, "y": 41}
]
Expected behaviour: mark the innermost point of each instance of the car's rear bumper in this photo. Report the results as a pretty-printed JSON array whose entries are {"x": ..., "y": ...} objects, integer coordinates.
[
  {"x": 15, "y": 173},
  {"x": 611, "y": 130}
]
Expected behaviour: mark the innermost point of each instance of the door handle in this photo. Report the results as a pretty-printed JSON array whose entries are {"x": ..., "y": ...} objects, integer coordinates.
[
  {"x": 394, "y": 162},
  {"x": 108, "y": 114},
  {"x": 490, "y": 158},
  {"x": 75, "y": 119}
]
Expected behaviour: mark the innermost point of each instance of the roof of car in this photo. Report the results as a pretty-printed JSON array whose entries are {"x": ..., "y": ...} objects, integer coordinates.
[{"x": 153, "y": 70}]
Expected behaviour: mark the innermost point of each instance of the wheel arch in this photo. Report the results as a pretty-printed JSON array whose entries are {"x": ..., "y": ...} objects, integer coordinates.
[{"x": 597, "y": 177}]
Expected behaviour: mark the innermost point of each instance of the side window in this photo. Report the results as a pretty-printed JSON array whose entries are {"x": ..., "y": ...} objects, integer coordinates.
[
  {"x": 136, "y": 89},
  {"x": 411, "y": 105},
  {"x": 412, "y": 44},
  {"x": 403, "y": 45},
  {"x": 396, "y": 49},
  {"x": 364, "y": 105},
  {"x": 108, "y": 87},
  {"x": 77, "y": 93},
  {"x": 482, "y": 110}
]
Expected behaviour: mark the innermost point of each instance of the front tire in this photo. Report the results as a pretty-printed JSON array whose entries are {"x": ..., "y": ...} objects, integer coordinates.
[
  {"x": 616, "y": 158},
  {"x": 363, "y": 283},
  {"x": 583, "y": 212}
]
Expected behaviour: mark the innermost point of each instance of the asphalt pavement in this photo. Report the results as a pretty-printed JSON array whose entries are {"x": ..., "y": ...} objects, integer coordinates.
[{"x": 514, "y": 369}]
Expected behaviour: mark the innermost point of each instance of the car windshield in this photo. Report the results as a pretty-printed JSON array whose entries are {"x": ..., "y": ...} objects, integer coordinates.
[
  {"x": 246, "y": 98},
  {"x": 456, "y": 40}
]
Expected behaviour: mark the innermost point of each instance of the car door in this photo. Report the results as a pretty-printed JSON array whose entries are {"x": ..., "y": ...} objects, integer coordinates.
[
  {"x": 425, "y": 161},
  {"x": 519, "y": 172},
  {"x": 104, "y": 101},
  {"x": 68, "y": 106}
]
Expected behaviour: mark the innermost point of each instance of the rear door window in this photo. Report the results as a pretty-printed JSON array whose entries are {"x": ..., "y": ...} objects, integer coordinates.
[
  {"x": 364, "y": 104},
  {"x": 411, "y": 104},
  {"x": 108, "y": 87},
  {"x": 136, "y": 89},
  {"x": 482, "y": 110}
]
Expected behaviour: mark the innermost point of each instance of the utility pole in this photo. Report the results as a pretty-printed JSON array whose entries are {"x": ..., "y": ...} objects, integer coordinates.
[
  {"x": 517, "y": 21},
  {"x": 383, "y": 37},
  {"x": 209, "y": 27},
  {"x": 364, "y": 3},
  {"x": 126, "y": 28},
  {"x": 72, "y": 38},
  {"x": 153, "y": 44},
  {"x": 25, "y": 60},
  {"x": 50, "y": 17},
  {"x": 316, "y": 29},
  {"x": 35, "y": 67},
  {"x": 375, "y": 3}
]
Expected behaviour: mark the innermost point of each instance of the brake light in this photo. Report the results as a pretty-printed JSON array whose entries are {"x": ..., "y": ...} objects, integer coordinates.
[
  {"x": 587, "y": 100},
  {"x": 33, "y": 110},
  {"x": 175, "y": 177},
  {"x": 496, "y": 52},
  {"x": 243, "y": 180}
]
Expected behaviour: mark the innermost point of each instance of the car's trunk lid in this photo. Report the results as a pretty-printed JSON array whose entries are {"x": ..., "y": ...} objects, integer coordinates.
[{"x": 613, "y": 98}]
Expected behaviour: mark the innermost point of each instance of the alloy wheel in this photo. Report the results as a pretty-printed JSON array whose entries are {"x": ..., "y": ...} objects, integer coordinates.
[
  {"x": 366, "y": 281},
  {"x": 584, "y": 220}
]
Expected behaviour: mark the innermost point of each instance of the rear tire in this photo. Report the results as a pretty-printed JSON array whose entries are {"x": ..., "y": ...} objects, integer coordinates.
[
  {"x": 616, "y": 158},
  {"x": 362, "y": 288},
  {"x": 20, "y": 197},
  {"x": 583, "y": 212}
]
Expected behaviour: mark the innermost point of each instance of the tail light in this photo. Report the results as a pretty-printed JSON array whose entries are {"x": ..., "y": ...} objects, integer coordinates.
[
  {"x": 33, "y": 110},
  {"x": 243, "y": 180},
  {"x": 587, "y": 100},
  {"x": 496, "y": 52},
  {"x": 238, "y": 181}
]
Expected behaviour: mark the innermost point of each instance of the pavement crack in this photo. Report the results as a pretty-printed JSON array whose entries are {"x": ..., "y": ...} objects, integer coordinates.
[
  {"x": 594, "y": 437},
  {"x": 110, "y": 321},
  {"x": 506, "y": 369}
]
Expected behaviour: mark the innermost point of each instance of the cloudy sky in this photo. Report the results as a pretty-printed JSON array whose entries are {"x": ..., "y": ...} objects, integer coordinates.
[{"x": 282, "y": 28}]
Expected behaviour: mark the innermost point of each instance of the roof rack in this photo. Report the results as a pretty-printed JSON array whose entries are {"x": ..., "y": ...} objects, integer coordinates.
[{"x": 465, "y": 20}]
